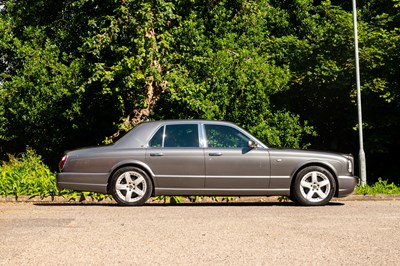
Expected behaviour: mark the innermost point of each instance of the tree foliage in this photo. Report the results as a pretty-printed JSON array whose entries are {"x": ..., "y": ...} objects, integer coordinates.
[
  {"x": 225, "y": 70},
  {"x": 81, "y": 72}
]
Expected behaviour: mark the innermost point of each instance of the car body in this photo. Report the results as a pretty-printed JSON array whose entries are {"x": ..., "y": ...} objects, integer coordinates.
[{"x": 204, "y": 158}]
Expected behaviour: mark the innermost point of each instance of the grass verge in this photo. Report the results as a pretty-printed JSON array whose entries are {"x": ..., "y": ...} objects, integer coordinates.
[{"x": 380, "y": 187}]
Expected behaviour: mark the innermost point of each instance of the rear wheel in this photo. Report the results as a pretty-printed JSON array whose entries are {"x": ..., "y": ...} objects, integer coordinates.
[
  {"x": 131, "y": 186},
  {"x": 313, "y": 186}
]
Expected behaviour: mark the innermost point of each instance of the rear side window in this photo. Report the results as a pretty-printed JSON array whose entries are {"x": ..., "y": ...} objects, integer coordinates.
[{"x": 185, "y": 135}]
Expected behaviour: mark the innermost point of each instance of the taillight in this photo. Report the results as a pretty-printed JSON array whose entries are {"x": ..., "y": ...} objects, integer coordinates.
[{"x": 62, "y": 162}]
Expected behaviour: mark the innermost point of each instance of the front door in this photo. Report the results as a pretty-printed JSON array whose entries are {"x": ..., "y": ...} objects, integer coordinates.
[{"x": 231, "y": 165}]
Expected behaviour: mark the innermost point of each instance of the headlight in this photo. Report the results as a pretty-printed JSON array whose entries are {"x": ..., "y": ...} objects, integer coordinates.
[
  {"x": 350, "y": 162},
  {"x": 350, "y": 166}
]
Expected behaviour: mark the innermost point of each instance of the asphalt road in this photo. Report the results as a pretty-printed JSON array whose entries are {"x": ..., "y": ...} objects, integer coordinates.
[{"x": 271, "y": 233}]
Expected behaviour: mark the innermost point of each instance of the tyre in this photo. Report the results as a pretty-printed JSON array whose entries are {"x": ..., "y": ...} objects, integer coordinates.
[
  {"x": 293, "y": 199},
  {"x": 313, "y": 186},
  {"x": 131, "y": 186}
]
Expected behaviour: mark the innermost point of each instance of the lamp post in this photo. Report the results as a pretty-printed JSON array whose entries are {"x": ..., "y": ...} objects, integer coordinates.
[{"x": 362, "y": 163}]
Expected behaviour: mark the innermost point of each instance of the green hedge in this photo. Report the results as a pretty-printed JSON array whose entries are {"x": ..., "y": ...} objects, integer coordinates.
[{"x": 27, "y": 175}]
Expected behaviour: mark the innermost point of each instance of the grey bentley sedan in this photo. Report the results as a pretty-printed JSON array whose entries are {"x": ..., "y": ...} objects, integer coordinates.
[{"x": 204, "y": 158}]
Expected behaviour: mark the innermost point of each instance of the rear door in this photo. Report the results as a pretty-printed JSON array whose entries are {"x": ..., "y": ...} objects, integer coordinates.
[{"x": 175, "y": 157}]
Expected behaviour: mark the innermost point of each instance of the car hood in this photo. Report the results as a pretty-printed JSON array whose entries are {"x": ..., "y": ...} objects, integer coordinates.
[{"x": 309, "y": 153}]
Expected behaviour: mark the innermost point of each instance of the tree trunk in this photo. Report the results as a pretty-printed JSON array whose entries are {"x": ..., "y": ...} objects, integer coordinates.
[{"x": 152, "y": 90}]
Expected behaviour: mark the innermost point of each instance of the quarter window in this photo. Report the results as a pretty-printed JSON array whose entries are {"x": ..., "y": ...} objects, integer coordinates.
[{"x": 156, "y": 140}]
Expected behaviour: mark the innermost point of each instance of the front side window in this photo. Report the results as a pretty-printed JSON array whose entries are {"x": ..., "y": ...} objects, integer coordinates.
[
  {"x": 220, "y": 136},
  {"x": 185, "y": 135}
]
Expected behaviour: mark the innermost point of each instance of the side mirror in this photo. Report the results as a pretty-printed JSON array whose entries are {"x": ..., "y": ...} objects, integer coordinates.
[{"x": 252, "y": 144}]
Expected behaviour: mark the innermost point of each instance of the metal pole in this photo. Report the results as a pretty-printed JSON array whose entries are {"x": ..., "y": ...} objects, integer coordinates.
[{"x": 362, "y": 163}]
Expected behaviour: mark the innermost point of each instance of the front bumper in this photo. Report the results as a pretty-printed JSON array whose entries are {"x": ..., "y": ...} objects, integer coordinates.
[{"x": 346, "y": 185}]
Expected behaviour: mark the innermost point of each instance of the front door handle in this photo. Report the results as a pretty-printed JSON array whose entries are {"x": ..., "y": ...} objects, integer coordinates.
[
  {"x": 215, "y": 154},
  {"x": 156, "y": 154}
]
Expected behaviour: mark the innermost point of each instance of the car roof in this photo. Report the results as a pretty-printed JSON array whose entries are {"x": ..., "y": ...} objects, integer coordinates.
[
  {"x": 139, "y": 136},
  {"x": 186, "y": 121}
]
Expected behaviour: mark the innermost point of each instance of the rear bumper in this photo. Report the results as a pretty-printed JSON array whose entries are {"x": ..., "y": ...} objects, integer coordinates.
[
  {"x": 93, "y": 182},
  {"x": 346, "y": 185}
]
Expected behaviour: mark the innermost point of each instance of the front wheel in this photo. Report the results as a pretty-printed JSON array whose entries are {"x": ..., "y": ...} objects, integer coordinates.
[
  {"x": 131, "y": 186},
  {"x": 313, "y": 186}
]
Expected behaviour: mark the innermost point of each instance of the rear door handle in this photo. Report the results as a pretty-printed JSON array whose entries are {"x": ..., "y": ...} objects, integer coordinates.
[
  {"x": 157, "y": 154},
  {"x": 215, "y": 154}
]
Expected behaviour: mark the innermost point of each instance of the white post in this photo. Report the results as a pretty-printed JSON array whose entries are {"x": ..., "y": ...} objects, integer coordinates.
[{"x": 362, "y": 165}]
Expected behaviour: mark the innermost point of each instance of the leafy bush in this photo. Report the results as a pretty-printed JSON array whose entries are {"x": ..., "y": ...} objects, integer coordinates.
[
  {"x": 380, "y": 187},
  {"x": 27, "y": 175}
]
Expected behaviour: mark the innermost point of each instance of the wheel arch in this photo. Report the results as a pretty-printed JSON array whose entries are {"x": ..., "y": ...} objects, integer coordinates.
[
  {"x": 326, "y": 166},
  {"x": 138, "y": 164}
]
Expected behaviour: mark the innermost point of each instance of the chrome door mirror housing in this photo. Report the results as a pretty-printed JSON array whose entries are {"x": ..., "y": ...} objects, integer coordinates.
[{"x": 252, "y": 144}]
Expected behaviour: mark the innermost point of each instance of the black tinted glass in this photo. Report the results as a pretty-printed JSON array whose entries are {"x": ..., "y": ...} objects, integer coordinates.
[
  {"x": 181, "y": 136},
  {"x": 225, "y": 137},
  {"x": 156, "y": 141}
]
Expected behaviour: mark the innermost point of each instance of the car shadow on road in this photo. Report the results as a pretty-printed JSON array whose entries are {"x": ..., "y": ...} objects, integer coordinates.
[
  {"x": 237, "y": 204},
  {"x": 191, "y": 204}
]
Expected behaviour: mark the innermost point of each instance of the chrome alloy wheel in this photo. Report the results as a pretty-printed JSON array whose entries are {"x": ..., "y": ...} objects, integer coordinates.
[
  {"x": 130, "y": 186},
  {"x": 315, "y": 186}
]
